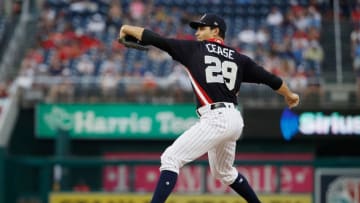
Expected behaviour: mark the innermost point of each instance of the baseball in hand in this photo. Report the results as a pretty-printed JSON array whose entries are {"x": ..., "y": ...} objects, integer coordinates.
[{"x": 292, "y": 100}]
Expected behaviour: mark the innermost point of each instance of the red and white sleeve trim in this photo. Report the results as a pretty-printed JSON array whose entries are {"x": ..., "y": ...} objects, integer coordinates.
[{"x": 200, "y": 93}]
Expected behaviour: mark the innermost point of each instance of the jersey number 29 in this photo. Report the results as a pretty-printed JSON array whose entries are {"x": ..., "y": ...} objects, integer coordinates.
[{"x": 219, "y": 71}]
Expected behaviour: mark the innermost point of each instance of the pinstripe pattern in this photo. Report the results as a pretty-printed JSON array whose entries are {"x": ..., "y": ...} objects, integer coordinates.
[{"x": 216, "y": 134}]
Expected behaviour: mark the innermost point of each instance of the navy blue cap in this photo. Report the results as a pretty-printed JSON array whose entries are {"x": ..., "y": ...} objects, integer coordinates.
[{"x": 209, "y": 19}]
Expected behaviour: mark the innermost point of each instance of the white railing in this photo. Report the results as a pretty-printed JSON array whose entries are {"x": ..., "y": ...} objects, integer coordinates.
[
  {"x": 8, "y": 116},
  {"x": 169, "y": 89}
]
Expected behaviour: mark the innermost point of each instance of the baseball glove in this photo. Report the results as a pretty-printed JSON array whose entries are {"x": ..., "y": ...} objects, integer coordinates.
[{"x": 132, "y": 42}]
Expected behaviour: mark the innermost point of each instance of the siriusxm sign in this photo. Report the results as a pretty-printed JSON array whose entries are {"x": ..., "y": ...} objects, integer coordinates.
[{"x": 318, "y": 123}]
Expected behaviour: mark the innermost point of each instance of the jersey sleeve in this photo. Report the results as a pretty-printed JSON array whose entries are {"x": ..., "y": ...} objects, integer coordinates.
[
  {"x": 253, "y": 73},
  {"x": 179, "y": 50}
]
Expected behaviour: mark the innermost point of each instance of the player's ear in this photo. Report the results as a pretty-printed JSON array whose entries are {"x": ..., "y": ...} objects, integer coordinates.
[{"x": 216, "y": 31}]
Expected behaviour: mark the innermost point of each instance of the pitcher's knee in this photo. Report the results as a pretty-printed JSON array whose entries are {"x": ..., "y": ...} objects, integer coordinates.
[
  {"x": 171, "y": 163},
  {"x": 226, "y": 177}
]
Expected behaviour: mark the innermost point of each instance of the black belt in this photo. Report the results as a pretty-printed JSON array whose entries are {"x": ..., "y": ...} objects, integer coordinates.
[{"x": 217, "y": 105}]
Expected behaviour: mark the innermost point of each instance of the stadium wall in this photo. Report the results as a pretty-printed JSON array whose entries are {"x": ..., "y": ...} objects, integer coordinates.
[{"x": 2, "y": 174}]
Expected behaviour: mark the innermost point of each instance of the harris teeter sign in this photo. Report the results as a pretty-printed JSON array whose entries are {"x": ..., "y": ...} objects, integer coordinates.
[{"x": 114, "y": 121}]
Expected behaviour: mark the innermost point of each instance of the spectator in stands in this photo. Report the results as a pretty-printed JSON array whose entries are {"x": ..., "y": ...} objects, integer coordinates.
[
  {"x": 96, "y": 24},
  {"x": 247, "y": 36},
  {"x": 275, "y": 17},
  {"x": 149, "y": 87},
  {"x": 85, "y": 66},
  {"x": 137, "y": 9},
  {"x": 299, "y": 44},
  {"x": 355, "y": 14},
  {"x": 86, "y": 87},
  {"x": 283, "y": 49},
  {"x": 47, "y": 19},
  {"x": 298, "y": 81},
  {"x": 135, "y": 87},
  {"x": 112, "y": 63},
  {"x": 273, "y": 63},
  {"x": 301, "y": 20},
  {"x": 62, "y": 90},
  {"x": 262, "y": 36},
  {"x": 68, "y": 49},
  {"x": 314, "y": 17},
  {"x": 355, "y": 36},
  {"x": 114, "y": 16},
  {"x": 138, "y": 70},
  {"x": 356, "y": 66},
  {"x": 355, "y": 53},
  {"x": 157, "y": 58},
  {"x": 109, "y": 80},
  {"x": 83, "y": 6},
  {"x": 295, "y": 7},
  {"x": 160, "y": 13},
  {"x": 56, "y": 67},
  {"x": 33, "y": 58},
  {"x": 313, "y": 34},
  {"x": 288, "y": 23},
  {"x": 314, "y": 56},
  {"x": 31, "y": 66}
]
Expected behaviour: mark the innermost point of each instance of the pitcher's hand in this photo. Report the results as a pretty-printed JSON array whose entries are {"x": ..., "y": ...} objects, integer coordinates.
[
  {"x": 122, "y": 34},
  {"x": 292, "y": 100}
]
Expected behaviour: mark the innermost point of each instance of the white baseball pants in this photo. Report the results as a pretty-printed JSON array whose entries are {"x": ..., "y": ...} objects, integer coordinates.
[{"x": 216, "y": 133}]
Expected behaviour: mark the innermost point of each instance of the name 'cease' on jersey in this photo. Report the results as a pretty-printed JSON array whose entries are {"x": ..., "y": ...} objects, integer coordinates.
[{"x": 223, "y": 51}]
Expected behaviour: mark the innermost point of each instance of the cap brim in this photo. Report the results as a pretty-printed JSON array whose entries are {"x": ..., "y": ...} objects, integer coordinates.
[{"x": 196, "y": 24}]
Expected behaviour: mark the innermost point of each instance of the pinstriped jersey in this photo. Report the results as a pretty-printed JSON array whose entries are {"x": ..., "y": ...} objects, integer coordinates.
[{"x": 216, "y": 71}]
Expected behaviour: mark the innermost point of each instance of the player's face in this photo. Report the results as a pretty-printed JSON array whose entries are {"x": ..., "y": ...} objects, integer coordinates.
[{"x": 204, "y": 33}]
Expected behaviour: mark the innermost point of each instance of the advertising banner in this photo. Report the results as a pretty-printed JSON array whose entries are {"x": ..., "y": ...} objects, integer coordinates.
[
  {"x": 197, "y": 178},
  {"x": 296, "y": 179},
  {"x": 132, "y": 198},
  {"x": 333, "y": 185},
  {"x": 146, "y": 121},
  {"x": 114, "y": 121},
  {"x": 298, "y": 124}
]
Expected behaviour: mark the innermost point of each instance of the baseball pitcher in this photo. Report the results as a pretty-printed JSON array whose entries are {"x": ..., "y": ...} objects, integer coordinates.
[{"x": 216, "y": 72}]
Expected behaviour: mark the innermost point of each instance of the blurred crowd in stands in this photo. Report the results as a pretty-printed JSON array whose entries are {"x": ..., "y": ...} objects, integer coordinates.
[
  {"x": 8, "y": 21},
  {"x": 76, "y": 43},
  {"x": 355, "y": 44}
]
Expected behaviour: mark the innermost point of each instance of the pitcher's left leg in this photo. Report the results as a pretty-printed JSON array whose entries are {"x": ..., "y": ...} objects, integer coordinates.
[
  {"x": 193, "y": 143},
  {"x": 221, "y": 161}
]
